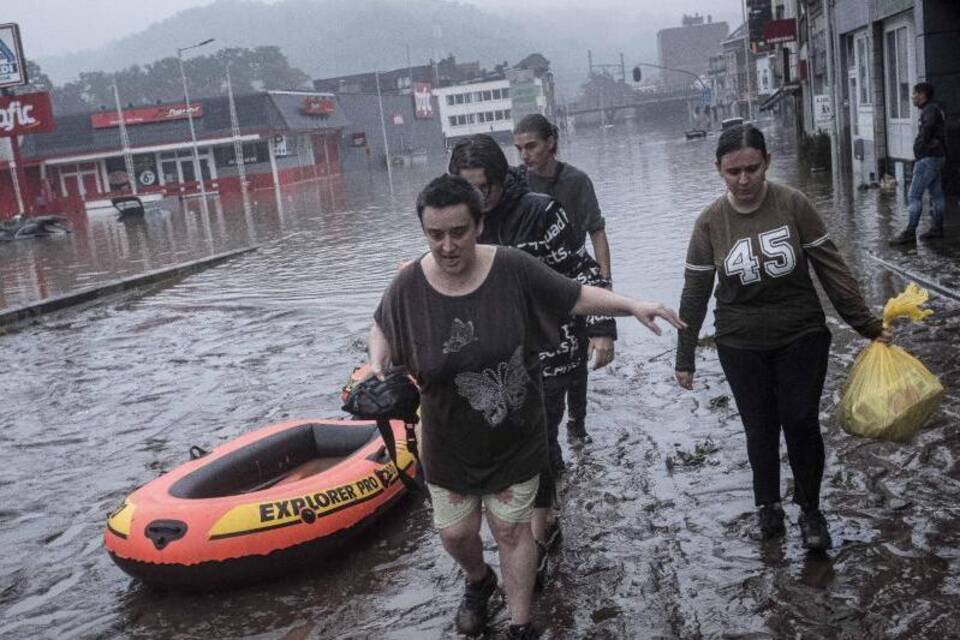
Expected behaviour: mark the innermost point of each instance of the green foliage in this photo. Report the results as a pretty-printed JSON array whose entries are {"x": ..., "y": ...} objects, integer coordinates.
[
  {"x": 251, "y": 70},
  {"x": 39, "y": 81}
]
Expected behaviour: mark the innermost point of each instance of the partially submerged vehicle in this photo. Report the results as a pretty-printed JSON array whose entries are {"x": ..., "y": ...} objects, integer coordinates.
[
  {"x": 128, "y": 205},
  {"x": 23, "y": 226}
]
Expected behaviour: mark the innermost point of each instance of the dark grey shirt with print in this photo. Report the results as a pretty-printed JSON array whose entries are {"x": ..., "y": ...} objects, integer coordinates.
[
  {"x": 574, "y": 190},
  {"x": 476, "y": 360}
]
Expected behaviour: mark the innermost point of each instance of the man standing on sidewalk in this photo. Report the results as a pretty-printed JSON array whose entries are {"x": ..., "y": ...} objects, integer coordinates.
[{"x": 930, "y": 153}]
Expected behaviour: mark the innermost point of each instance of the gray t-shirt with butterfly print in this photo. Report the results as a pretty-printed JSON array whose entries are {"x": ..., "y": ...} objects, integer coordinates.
[{"x": 476, "y": 359}]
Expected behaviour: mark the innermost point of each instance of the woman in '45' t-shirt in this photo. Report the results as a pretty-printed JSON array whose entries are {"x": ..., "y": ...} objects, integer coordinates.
[{"x": 758, "y": 242}]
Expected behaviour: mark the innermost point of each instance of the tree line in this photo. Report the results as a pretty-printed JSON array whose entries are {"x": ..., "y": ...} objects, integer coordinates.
[{"x": 257, "y": 69}]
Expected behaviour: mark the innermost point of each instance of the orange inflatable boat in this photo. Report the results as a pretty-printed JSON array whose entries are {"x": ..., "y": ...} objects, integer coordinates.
[{"x": 262, "y": 505}]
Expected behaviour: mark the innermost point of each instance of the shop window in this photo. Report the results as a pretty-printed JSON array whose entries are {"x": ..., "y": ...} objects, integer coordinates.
[
  {"x": 450, "y": 100},
  {"x": 506, "y": 114},
  {"x": 253, "y": 153},
  {"x": 459, "y": 98},
  {"x": 471, "y": 119},
  {"x": 487, "y": 95},
  {"x": 467, "y": 98},
  {"x": 863, "y": 71},
  {"x": 145, "y": 169},
  {"x": 499, "y": 114},
  {"x": 453, "y": 121},
  {"x": 461, "y": 120},
  {"x": 898, "y": 74},
  {"x": 169, "y": 169}
]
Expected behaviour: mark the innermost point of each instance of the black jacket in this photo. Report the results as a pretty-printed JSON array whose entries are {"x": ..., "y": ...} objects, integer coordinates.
[
  {"x": 538, "y": 225},
  {"x": 931, "y": 139}
]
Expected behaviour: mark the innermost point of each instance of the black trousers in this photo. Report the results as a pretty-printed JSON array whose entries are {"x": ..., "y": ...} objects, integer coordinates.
[
  {"x": 557, "y": 392},
  {"x": 780, "y": 389}
]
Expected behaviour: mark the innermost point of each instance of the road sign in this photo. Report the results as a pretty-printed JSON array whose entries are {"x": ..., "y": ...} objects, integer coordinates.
[
  {"x": 822, "y": 108},
  {"x": 27, "y": 113},
  {"x": 13, "y": 66}
]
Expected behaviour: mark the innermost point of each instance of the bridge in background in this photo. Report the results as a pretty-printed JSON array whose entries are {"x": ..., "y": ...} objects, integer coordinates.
[{"x": 640, "y": 101}]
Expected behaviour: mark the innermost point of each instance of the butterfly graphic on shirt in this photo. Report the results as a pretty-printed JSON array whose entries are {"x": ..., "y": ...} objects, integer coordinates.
[
  {"x": 496, "y": 391},
  {"x": 461, "y": 334}
]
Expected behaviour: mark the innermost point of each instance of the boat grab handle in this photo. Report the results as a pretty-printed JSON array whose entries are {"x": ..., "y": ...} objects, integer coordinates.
[
  {"x": 163, "y": 532},
  {"x": 197, "y": 452}
]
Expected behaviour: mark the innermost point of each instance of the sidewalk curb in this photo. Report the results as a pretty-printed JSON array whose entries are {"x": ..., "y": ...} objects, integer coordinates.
[{"x": 17, "y": 315}]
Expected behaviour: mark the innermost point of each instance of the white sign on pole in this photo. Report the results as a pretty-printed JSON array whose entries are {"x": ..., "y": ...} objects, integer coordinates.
[
  {"x": 13, "y": 66},
  {"x": 822, "y": 108}
]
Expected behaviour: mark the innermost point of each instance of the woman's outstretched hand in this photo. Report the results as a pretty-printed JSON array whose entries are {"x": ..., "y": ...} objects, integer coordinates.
[{"x": 648, "y": 312}]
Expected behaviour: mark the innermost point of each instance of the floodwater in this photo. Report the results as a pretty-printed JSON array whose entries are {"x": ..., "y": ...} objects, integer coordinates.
[{"x": 657, "y": 511}]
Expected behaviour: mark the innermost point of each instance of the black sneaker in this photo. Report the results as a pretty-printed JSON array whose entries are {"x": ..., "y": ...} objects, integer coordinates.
[
  {"x": 522, "y": 632},
  {"x": 904, "y": 237},
  {"x": 814, "y": 530},
  {"x": 577, "y": 433},
  {"x": 932, "y": 234},
  {"x": 771, "y": 521},
  {"x": 472, "y": 614}
]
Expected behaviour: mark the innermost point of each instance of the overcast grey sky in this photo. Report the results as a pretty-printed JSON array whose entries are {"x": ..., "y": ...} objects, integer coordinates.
[{"x": 53, "y": 27}]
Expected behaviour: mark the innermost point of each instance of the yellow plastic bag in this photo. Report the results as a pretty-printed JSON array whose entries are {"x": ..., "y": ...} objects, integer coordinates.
[{"x": 890, "y": 394}]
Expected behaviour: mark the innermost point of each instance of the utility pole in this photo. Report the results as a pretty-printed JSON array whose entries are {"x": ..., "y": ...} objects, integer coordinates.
[
  {"x": 125, "y": 142},
  {"x": 409, "y": 68},
  {"x": 193, "y": 131},
  {"x": 833, "y": 79},
  {"x": 383, "y": 130},
  {"x": 623, "y": 70},
  {"x": 237, "y": 143},
  {"x": 746, "y": 59}
]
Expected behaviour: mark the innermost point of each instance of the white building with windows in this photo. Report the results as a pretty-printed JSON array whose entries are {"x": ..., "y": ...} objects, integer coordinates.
[{"x": 479, "y": 107}]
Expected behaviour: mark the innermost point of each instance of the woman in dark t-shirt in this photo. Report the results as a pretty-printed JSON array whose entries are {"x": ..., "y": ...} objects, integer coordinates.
[{"x": 468, "y": 321}]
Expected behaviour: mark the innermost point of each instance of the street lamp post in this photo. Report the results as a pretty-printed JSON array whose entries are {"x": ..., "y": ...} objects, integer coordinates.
[{"x": 198, "y": 174}]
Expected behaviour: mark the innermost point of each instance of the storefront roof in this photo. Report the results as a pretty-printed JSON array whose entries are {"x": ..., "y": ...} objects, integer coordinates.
[{"x": 76, "y": 135}]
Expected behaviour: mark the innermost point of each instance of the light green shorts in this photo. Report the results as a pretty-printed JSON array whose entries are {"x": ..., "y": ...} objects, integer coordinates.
[{"x": 513, "y": 504}]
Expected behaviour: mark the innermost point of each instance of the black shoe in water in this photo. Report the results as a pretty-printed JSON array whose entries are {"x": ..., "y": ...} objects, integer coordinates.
[
  {"x": 577, "y": 435},
  {"x": 814, "y": 530},
  {"x": 472, "y": 614},
  {"x": 771, "y": 521},
  {"x": 522, "y": 632},
  {"x": 932, "y": 234},
  {"x": 904, "y": 237}
]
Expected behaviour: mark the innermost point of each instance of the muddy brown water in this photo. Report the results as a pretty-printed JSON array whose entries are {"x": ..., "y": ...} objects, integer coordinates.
[{"x": 657, "y": 512}]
